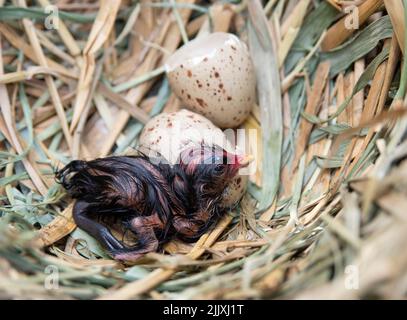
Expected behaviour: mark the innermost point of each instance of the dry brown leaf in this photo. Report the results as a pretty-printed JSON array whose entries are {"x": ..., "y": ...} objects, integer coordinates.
[
  {"x": 101, "y": 29},
  {"x": 395, "y": 10},
  {"x": 312, "y": 107},
  {"x": 339, "y": 32},
  {"x": 58, "y": 228}
]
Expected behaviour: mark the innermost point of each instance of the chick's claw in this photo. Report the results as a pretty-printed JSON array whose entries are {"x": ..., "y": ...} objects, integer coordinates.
[
  {"x": 135, "y": 253},
  {"x": 127, "y": 256},
  {"x": 147, "y": 241},
  {"x": 190, "y": 228}
]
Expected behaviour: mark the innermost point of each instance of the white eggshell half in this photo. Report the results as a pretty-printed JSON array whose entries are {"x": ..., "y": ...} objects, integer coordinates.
[
  {"x": 213, "y": 75},
  {"x": 168, "y": 134}
]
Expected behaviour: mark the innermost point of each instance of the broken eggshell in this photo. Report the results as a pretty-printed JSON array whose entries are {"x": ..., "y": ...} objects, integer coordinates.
[
  {"x": 213, "y": 75},
  {"x": 168, "y": 134}
]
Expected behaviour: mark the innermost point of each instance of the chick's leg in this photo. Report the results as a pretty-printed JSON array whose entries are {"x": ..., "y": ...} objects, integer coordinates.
[
  {"x": 189, "y": 228},
  {"x": 144, "y": 228},
  {"x": 81, "y": 211}
]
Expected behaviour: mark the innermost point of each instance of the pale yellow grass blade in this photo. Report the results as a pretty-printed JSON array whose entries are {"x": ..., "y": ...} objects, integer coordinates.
[{"x": 101, "y": 29}]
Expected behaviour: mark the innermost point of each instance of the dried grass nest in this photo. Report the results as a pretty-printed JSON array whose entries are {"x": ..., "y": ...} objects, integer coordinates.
[{"x": 325, "y": 213}]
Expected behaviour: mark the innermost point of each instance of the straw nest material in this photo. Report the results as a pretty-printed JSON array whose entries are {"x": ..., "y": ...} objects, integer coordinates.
[{"x": 325, "y": 212}]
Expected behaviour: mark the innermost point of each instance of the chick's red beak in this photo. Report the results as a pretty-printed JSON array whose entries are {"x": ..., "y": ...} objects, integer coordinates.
[{"x": 242, "y": 161}]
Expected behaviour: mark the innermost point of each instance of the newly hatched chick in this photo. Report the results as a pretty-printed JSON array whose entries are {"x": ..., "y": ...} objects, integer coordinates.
[{"x": 153, "y": 199}]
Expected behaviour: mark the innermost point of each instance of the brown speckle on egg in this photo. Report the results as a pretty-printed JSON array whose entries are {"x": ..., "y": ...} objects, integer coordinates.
[{"x": 201, "y": 102}]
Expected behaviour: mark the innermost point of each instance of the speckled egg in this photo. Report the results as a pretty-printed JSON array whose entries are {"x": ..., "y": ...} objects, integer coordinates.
[
  {"x": 235, "y": 191},
  {"x": 168, "y": 134},
  {"x": 213, "y": 75}
]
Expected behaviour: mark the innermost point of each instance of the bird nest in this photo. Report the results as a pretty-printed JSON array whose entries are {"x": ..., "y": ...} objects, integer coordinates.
[{"x": 324, "y": 214}]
